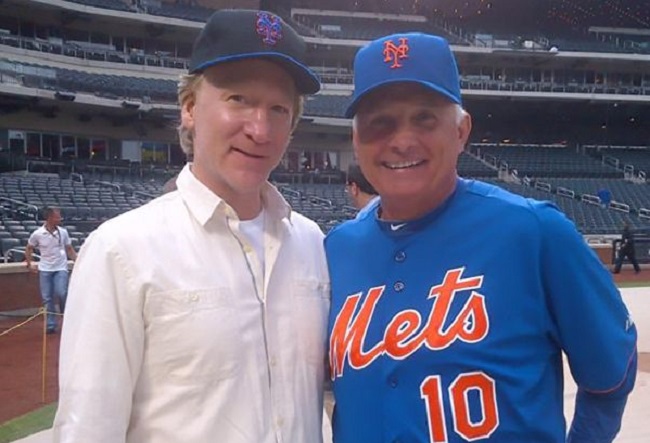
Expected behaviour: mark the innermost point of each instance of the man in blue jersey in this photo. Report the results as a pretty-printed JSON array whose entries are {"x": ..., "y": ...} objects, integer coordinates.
[{"x": 453, "y": 300}]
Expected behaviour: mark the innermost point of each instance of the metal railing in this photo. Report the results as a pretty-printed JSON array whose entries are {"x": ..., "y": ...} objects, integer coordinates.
[{"x": 20, "y": 207}]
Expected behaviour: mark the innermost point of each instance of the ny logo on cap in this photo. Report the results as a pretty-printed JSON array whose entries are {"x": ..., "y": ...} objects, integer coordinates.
[
  {"x": 394, "y": 53},
  {"x": 269, "y": 27}
]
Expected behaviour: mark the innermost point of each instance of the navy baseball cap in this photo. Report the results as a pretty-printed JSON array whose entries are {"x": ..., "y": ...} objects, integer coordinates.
[
  {"x": 231, "y": 35},
  {"x": 412, "y": 57}
]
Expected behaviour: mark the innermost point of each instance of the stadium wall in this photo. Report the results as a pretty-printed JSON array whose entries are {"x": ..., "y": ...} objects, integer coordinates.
[
  {"x": 20, "y": 288},
  {"x": 98, "y": 126}
]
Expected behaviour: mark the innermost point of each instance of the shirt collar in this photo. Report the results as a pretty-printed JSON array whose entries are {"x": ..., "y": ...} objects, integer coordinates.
[
  {"x": 203, "y": 203},
  {"x": 398, "y": 228}
]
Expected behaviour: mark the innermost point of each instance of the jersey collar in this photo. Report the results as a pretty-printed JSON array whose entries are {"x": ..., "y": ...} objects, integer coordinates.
[{"x": 400, "y": 228}]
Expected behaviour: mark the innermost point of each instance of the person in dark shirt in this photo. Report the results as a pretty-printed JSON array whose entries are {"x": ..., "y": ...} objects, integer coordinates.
[{"x": 626, "y": 250}]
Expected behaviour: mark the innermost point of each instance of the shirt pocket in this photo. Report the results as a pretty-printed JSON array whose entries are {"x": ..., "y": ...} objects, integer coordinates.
[
  {"x": 192, "y": 335},
  {"x": 311, "y": 303}
]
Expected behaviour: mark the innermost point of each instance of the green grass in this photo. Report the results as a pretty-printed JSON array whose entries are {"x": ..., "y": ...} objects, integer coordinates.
[
  {"x": 27, "y": 424},
  {"x": 637, "y": 284}
]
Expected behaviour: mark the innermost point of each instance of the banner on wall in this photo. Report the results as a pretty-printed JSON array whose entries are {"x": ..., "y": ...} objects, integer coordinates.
[{"x": 16, "y": 135}]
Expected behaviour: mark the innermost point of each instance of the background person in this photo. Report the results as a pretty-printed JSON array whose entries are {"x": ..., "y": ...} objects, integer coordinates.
[
  {"x": 201, "y": 316},
  {"x": 55, "y": 248},
  {"x": 453, "y": 303},
  {"x": 362, "y": 194},
  {"x": 626, "y": 250}
]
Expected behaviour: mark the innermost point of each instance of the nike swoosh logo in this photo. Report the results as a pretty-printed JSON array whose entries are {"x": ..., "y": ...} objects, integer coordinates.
[{"x": 397, "y": 227}]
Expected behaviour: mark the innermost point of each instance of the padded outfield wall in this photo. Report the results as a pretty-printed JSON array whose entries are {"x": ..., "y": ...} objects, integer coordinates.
[{"x": 19, "y": 288}]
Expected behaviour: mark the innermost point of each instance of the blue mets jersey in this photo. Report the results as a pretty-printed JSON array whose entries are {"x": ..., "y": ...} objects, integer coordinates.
[{"x": 450, "y": 328}]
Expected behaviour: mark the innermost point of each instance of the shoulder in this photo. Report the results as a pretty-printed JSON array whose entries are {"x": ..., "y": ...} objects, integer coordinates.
[
  {"x": 38, "y": 230},
  {"x": 539, "y": 222},
  {"x": 370, "y": 207},
  {"x": 513, "y": 206},
  {"x": 144, "y": 221},
  {"x": 498, "y": 196},
  {"x": 356, "y": 228},
  {"x": 36, "y": 234},
  {"x": 305, "y": 226}
]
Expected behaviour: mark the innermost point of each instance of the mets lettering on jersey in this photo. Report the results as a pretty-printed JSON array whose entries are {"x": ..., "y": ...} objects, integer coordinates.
[{"x": 406, "y": 333}]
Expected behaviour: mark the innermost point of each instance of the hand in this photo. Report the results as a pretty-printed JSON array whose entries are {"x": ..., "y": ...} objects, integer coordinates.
[{"x": 31, "y": 268}]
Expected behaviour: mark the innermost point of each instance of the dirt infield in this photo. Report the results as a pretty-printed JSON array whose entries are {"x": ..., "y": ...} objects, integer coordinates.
[
  {"x": 627, "y": 275},
  {"x": 21, "y": 367},
  {"x": 21, "y": 362}
]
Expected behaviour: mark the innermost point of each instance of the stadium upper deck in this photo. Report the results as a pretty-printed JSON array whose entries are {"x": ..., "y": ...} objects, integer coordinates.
[
  {"x": 69, "y": 37},
  {"x": 567, "y": 73}
]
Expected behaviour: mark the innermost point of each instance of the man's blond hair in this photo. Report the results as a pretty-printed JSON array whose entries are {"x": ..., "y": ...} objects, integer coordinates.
[{"x": 188, "y": 84}]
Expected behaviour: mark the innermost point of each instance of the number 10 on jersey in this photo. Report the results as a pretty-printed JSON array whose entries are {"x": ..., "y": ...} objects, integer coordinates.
[{"x": 469, "y": 428}]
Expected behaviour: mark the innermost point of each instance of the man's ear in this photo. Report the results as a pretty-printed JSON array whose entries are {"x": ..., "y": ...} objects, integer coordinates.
[
  {"x": 355, "y": 138},
  {"x": 464, "y": 129},
  {"x": 187, "y": 114}
]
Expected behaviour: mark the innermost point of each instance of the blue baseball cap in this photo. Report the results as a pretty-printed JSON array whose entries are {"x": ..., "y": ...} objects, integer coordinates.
[
  {"x": 231, "y": 35},
  {"x": 413, "y": 58}
]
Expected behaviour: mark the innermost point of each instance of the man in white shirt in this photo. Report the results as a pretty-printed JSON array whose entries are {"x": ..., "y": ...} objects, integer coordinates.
[
  {"x": 201, "y": 316},
  {"x": 54, "y": 245}
]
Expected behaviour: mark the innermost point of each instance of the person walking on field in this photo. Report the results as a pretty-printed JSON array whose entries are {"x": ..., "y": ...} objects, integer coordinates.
[
  {"x": 55, "y": 248},
  {"x": 627, "y": 250}
]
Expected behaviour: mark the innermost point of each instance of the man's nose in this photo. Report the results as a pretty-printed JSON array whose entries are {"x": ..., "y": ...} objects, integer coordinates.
[
  {"x": 403, "y": 138},
  {"x": 258, "y": 126}
]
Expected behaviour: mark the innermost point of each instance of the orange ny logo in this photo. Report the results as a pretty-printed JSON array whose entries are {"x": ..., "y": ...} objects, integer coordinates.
[{"x": 394, "y": 53}]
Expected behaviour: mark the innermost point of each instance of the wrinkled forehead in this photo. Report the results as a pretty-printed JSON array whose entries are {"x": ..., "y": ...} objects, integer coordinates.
[
  {"x": 251, "y": 71},
  {"x": 391, "y": 95}
]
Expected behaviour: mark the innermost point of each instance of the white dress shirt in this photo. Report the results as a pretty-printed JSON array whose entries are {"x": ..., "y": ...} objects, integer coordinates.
[{"x": 173, "y": 334}]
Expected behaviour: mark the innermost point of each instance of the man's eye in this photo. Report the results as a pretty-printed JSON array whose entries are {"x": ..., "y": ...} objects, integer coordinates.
[
  {"x": 280, "y": 109},
  {"x": 425, "y": 117},
  {"x": 236, "y": 98},
  {"x": 377, "y": 128},
  {"x": 381, "y": 122}
]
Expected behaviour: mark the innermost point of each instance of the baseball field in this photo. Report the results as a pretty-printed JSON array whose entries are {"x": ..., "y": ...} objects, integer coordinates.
[{"x": 28, "y": 372}]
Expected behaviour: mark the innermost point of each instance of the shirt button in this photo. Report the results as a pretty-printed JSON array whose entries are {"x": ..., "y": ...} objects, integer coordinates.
[
  {"x": 280, "y": 421},
  {"x": 399, "y": 286},
  {"x": 400, "y": 256},
  {"x": 194, "y": 297},
  {"x": 272, "y": 361},
  {"x": 392, "y": 382},
  {"x": 247, "y": 249}
]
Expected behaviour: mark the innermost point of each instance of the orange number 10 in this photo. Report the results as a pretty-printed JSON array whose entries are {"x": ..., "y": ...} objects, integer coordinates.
[{"x": 432, "y": 394}]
